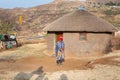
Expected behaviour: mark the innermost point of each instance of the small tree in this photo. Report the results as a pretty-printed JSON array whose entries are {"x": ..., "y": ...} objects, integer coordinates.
[
  {"x": 7, "y": 21},
  {"x": 5, "y": 27}
]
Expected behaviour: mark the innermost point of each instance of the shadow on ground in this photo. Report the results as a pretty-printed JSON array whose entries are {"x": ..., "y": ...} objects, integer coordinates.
[
  {"x": 38, "y": 74},
  {"x": 28, "y": 76}
]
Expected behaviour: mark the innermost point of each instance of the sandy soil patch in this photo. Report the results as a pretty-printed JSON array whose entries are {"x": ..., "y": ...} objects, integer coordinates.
[{"x": 30, "y": 57}]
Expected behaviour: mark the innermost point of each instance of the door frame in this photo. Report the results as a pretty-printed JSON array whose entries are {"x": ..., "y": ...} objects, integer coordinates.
[{"x": 56, "y": 37}]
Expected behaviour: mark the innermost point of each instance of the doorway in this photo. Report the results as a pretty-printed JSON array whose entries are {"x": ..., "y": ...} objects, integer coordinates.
[
  {"x": 56, "y": 38},
  {"x": 58, "y": 35}
]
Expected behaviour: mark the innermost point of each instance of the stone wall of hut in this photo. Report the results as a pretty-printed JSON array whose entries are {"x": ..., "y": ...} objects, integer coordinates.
[
  {"x": 50, "y": 42},
  {"x": 95, "y": 43}
]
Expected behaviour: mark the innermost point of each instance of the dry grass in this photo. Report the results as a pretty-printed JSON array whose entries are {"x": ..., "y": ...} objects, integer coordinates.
[
  {"x": 35, "y": 41},
  {"x": 116, "y": 43}
]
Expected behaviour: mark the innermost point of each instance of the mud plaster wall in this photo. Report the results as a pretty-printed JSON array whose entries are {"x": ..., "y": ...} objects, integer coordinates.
[{"x": 95, "y": 43}]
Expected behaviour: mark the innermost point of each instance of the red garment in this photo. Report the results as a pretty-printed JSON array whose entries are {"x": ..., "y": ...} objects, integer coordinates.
[{"x": 60, "y": 38}]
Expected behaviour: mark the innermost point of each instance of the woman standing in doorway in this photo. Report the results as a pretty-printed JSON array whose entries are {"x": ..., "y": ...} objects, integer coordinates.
[{"x": 60, "y": 50}]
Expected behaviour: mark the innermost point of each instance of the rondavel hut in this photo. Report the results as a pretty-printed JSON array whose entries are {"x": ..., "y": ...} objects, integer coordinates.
[{"x": 83, "y": 33}]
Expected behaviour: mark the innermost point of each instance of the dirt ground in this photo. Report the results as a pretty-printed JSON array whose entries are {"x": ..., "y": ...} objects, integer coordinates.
[
  {"x": 30, "y": 64},
  {"x": 31, "y": 57},
  {"x": 48, "y": 64}
]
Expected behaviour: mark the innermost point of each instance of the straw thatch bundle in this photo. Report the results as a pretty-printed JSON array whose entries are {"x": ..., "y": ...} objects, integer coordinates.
[{"x": 80, "y": 20}]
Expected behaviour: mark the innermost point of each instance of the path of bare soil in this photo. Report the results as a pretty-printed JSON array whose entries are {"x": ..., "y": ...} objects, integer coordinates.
[
  {"x": 30, "y": 57},
  {"x": 49, "y": 65}
]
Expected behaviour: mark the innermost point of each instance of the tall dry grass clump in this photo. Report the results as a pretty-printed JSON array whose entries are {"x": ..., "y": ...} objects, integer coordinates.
[{"x": 116, "y": 43}]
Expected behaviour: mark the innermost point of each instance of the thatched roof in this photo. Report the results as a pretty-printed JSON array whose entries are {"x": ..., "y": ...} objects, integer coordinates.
[{"x": 80, "y": 20}]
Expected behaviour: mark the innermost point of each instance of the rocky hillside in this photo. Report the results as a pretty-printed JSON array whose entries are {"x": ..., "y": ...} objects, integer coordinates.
[
  {"x": 95, "y": 1},
  {"x": 36, "y": 18},
  {"x": 103, "y": 1}
]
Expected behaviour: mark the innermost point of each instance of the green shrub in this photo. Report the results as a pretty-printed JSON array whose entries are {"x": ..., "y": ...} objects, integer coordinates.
[
  {"x": 113, "y": 3},
  {"x": 112, "y": 12}
]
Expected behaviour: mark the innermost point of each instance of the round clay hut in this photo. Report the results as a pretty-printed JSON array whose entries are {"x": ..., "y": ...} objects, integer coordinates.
[{"x": 83, "y": 33}]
